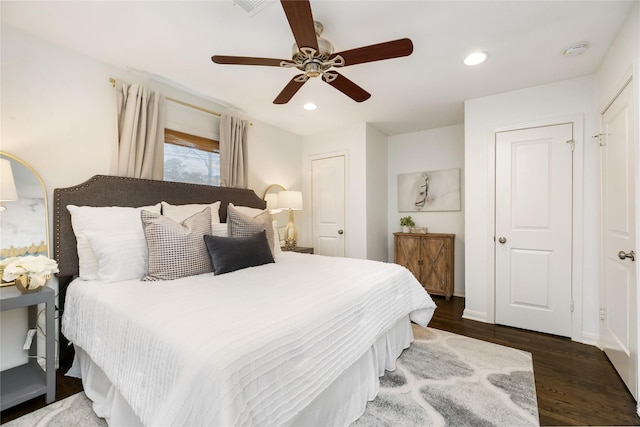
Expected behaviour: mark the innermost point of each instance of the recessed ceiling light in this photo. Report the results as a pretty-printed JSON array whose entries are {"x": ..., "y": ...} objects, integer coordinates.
[
  {"x": 576, "y": 49},
  {"x": 310, "y": 106},
  {"x": 475, "y": 58}
]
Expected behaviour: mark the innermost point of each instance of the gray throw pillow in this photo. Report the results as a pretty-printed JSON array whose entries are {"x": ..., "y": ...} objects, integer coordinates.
[
  {"x": 235, "y": 253},
  {"x": 176, "y": 249}
]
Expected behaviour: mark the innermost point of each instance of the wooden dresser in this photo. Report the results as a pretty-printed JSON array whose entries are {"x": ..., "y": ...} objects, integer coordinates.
[{"x": 430, "y": 257}]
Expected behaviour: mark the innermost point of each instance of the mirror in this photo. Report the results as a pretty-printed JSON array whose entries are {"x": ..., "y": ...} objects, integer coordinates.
[{"x": 24, "y": 223}]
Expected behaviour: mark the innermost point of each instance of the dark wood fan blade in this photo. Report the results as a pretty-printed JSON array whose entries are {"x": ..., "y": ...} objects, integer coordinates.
[
  {"x": 246, "y": 60},
  {"x": 301, "y": 22},
  {"x": 289, "y": 90},
  {"x": 376, "y": 52},
  {"x": 349, "y": 88}
]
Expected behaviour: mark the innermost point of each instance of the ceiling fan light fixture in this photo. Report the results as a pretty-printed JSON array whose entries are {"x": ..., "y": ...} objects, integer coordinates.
[
  {"x": 313, "y": 69},
  {"x": 476, "y": 58},
  {"x": 309, "y": 106}
]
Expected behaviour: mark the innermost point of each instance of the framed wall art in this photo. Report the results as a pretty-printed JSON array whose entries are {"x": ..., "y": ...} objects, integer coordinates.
[{"x": 429, "y": 191}]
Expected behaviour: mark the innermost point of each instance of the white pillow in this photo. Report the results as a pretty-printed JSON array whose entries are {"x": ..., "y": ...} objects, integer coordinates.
[
  {"x": 121, "y": 255},
  {"x": 102, "y": 219},
  {"x": 276, "y": 239},
  {"x": 179, "y": 213},
  {"x": 254, "y": 212},
  {"x": 219, "y": 230}
]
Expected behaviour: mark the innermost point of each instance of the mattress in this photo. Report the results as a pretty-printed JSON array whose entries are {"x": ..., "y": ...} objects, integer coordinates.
[{"x": 258, "y": 346}]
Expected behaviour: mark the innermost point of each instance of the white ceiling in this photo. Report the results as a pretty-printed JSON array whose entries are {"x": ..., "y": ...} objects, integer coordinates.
[{"x": 175, "y": 41}]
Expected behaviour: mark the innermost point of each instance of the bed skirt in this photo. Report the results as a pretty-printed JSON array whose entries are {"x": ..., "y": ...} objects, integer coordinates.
[{"x": 343, "y": 402}]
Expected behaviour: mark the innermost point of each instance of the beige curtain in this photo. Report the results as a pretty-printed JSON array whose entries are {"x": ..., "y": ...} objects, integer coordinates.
[
  {"x": 233, "y": 152},
  {"x": 140, "y": 151}
]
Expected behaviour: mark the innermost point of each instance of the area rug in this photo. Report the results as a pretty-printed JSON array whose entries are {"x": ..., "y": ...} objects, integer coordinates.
[{"x": 443, "y": 379}]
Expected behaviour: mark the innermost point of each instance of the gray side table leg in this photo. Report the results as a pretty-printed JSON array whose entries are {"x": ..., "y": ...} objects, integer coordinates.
[{"x": 51, "y": 351}]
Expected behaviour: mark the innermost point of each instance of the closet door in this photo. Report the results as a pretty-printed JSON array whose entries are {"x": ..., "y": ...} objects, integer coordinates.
[
  {"x": 328, "y": 195},
  {"x": 618, "y": 313},
  {"x": 534, "y": 186}
]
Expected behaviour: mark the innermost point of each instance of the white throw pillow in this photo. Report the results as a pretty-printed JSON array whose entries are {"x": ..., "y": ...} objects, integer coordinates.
[
  {"x": 179, "y": 213},
  {"x": 220, "y": 230},
  {"x": 121, "y": 255},
  {"x": 276, "y": 239},
  {"x": 102, "y": 219}
]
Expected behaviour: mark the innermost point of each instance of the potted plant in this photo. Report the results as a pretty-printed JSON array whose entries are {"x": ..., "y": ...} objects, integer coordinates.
[{"x": 406, "y": 222}]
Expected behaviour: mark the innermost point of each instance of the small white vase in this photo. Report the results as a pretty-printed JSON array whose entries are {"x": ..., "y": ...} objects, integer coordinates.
[{"x": 405, "y": 228}]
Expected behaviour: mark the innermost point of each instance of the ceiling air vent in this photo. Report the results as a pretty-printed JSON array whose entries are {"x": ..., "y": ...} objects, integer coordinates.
[{"x": 252, "y": 7}]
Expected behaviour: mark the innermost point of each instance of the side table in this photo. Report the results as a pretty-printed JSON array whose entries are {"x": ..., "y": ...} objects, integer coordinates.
[
  {"x": 27, "y": 381},
  {"x": 300, "y": 249}
]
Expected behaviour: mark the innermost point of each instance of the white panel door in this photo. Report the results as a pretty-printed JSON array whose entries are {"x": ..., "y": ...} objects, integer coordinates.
[
  {"x": 618, "y": 326},
  {"x": 327, "y": 187},
  {"x": 533, "y": 228}
]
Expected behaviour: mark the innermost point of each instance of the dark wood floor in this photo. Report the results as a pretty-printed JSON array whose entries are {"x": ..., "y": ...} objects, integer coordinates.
[{"x": 575, "y": 383}]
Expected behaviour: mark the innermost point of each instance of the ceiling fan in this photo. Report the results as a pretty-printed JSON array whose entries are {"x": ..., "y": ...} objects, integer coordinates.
[{"x": 314, "y": 56}]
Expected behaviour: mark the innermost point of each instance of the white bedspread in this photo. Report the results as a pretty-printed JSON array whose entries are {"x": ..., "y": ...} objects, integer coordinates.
[{"x": 252, "y": 347}]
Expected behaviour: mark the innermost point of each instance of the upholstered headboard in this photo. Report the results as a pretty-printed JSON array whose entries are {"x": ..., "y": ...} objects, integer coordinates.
[{"x": 103, "y": 190}]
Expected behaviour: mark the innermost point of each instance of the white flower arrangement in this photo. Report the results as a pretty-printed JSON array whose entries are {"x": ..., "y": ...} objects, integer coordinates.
[{"x": 32, "y": 266}]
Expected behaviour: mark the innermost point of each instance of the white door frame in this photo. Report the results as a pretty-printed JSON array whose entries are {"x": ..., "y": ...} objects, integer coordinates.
[{"x": 577, "y": 226}]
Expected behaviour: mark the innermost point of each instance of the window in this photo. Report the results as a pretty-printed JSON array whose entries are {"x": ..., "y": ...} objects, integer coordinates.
[{"x": 190, "y": 158}]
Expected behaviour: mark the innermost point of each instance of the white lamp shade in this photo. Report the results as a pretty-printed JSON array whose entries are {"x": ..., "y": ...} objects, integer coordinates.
[
  {"x": 8, "y": 190},
  {"x": 290, "y": 200}
]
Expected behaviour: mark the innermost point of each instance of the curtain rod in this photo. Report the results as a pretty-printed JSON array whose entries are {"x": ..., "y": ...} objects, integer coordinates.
[
  {"x": 195, "y": 107},
  {"x": 186, "y": 104}
]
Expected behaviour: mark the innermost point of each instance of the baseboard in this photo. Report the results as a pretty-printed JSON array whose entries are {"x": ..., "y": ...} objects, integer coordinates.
[
  {"x": 475, "y": 315},
  {"x": 589, "y": 339},
  {"x": 458, "y": 294}
]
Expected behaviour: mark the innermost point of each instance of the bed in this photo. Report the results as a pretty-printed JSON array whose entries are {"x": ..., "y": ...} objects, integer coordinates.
[{"x": 300, "y": 340}]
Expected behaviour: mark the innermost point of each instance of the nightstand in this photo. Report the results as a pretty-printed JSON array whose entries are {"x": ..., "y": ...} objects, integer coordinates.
[
  {"x": 430, "y": 257},
  {"x": 27, "y": 381},
  {"x": 299, "y": 249}
]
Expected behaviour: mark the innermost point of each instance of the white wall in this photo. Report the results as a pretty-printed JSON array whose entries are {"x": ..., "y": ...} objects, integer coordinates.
[
  {"x": 350, "y": 140},
  {"x": 377, "y": 200},
  {"x": 618, "y": 64},
  {"x": 546, "y": 103},
  {"x": 434, "y": 149},
  {"x": 273, "y": 158},
  {"x": 58, "y": 115}
]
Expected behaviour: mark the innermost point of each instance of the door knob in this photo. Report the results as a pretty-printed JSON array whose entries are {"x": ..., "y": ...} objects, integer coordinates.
[
  {"x": 623, "y": 255},
  {"x": 341, "y": 231},
  {"x": 502, "y": 240}
]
